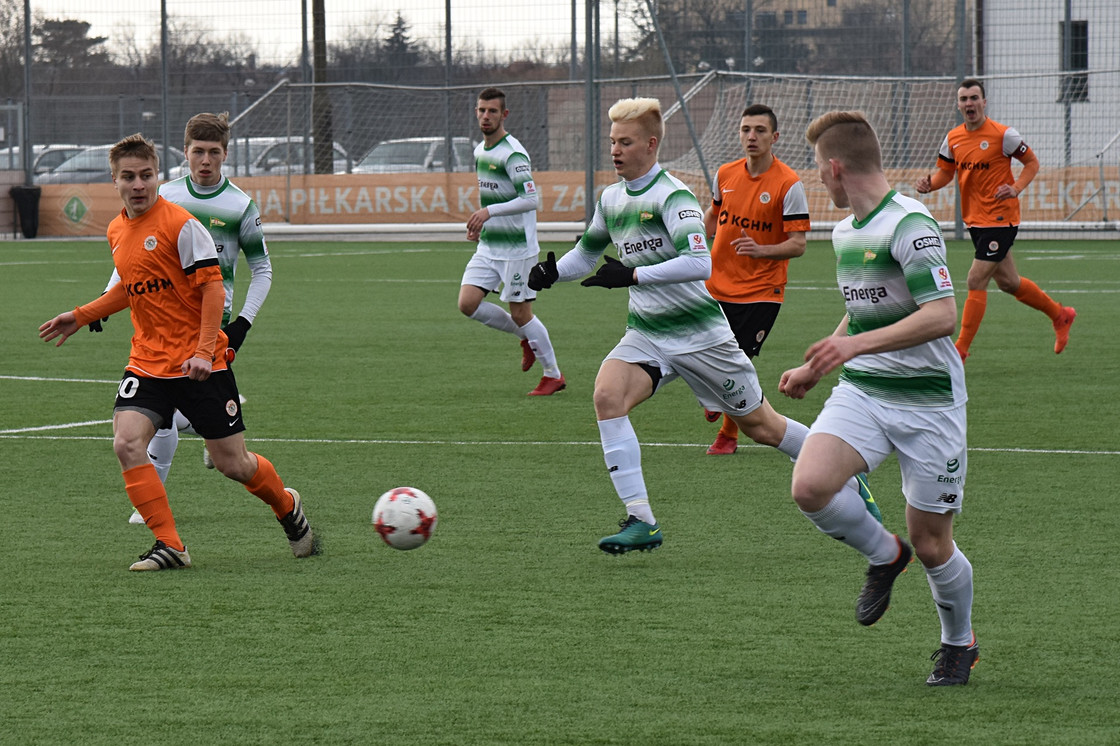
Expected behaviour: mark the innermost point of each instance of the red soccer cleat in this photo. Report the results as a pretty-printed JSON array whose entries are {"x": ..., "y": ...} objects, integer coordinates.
[
  {"x": 711, "y": 416},
  {"x": 528, "y": 357},
  {"x": 724, "y": 446},
  {"x": 549, "y": 386},
  {"x": 1061, "y": 328}
]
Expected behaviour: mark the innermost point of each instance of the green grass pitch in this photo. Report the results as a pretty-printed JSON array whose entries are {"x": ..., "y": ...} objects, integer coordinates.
[{"x": 510, "y": 627}]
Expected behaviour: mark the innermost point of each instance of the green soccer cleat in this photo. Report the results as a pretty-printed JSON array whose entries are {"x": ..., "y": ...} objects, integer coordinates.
[
  {"x": 868, "y": 500},
  {"x": 634, "y": 534}
]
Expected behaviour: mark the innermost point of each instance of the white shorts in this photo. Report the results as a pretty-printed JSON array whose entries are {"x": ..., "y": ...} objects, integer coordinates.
[
  {"x": 931, "y": 445},
  {"x": 511, "y": 274},
  {"x": 722, "y": 377}
]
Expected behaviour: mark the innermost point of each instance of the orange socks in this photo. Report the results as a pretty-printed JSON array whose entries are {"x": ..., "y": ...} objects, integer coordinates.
[
  {"x": 974, "y": 307},
  {"x": 729, "y": 429},
  {"x": 267, "y": 485},
  {"x": 148, "y": 496},
  {"x": 1034, "y": 297}
]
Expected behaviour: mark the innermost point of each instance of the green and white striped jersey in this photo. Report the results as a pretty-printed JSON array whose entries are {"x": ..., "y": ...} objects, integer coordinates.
[
  {"x": 648, "y": 227},
  {"x": 887, "y": 265},
  {"x": 234, "y": 221},
  {"x": 505, "y": 186}
]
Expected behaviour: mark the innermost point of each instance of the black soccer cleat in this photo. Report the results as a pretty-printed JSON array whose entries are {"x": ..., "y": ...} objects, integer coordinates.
[
  {"x": 875, "y": 596},
  {"x": 953, "y": 664}
]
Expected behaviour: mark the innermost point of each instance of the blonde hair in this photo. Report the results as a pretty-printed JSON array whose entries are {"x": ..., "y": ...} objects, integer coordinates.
[
  {"x": 133, "y": 146},
  {"x": 645, "y": 111},
  {"x": 848, "y": 137}
]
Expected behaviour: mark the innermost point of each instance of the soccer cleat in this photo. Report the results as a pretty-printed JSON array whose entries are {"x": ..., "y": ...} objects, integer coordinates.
[
  {"x": 136, "y": 519},
  {"x": 300, "y": 536},
  {"x": 953, "y": 664},
  {"x": 868, "y": 498},
  {"x": 635, "y": 534},
  {"x": 206, "y": 460},
  {"x": 1061, "y": 328},
  {"x": 875, "y": 596},
  {"x": 724, "y": 446},
  {"x": 711, "y": 416},
  {"x": 549, "y": 386},
  {"x": 528, "y": 357},
  {"x": 162, "y": 557}
]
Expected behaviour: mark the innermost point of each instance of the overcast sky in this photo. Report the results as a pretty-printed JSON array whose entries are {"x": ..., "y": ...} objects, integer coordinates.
[{"x": 275, "y": 25}]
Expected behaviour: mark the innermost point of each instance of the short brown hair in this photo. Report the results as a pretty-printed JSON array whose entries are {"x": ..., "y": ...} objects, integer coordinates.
[
  {"x": 848, "y": 137},
  {"x": 208, "y": 128},
  {"x": 973, "y": 83},
  {"x": 489, "y": 94},
  {"x": 133, "y": 146},
  {"x": 761, "y": 110}
]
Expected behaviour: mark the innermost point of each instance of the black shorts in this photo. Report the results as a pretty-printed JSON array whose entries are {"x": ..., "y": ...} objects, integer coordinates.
[
  {"x": 993, "y": 243},
  {"x": 212, "y": 406},
  {"x": 751, "y": 323}
]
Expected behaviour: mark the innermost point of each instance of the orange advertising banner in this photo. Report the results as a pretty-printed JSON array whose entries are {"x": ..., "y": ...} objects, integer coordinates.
[{"x": 86, "y": 209}]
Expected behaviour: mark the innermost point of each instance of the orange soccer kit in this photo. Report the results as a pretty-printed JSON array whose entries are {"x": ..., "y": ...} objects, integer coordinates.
[
  {"x": 981, "y": 160},
  {"x": 172, "y": 284},
  {"x": 768, "y": 208}
]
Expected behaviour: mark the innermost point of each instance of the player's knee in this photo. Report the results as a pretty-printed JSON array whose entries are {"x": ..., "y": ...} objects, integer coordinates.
[{"x": 467, "y": 307}]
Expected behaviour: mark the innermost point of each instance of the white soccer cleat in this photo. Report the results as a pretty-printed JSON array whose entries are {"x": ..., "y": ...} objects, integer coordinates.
[{"x": 206, "y": 460}]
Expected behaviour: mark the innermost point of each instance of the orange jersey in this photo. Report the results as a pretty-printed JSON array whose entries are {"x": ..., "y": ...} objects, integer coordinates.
[
  {"x": 164, "y": 257},
  {"x": 768, "y": 208},
  {"x": 982, "y": 161}
]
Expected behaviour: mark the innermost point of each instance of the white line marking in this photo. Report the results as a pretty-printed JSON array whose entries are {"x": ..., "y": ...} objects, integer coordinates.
[
  {"x": 65, "y": 426},
  {"x": 489, "y": 443},
  {"x": 58, "y": 380}
]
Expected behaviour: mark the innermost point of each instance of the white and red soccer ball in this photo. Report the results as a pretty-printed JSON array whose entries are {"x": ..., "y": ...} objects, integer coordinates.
[{"x": 405, "y": 517}]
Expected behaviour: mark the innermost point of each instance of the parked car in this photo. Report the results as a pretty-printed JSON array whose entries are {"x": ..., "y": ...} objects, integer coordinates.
[
  {"x": 53, "y": 156},
  {"x": 269, "y": 156},
  {"x": 91, "y": 166},
  {"x": 415, "y": 154}
]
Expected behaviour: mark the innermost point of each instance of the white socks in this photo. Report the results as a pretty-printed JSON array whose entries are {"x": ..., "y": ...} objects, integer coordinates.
[
  {"x": 951, "y": 584},
  {"x": 623, "y": 457},
  {"x": 537, "y": 336},
  {"x": 495, "y": 317},
  {"x": 793, "y": 439},
  {"x": 161, "y": 448},
  {"x": 846, "y": 519}
]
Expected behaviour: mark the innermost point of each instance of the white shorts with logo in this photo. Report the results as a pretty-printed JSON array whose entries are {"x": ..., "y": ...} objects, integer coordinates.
[
  {"x": 511, "y": 274},
  {"x": 931, "y": 445},
  {"x": 722, "y": 377}
]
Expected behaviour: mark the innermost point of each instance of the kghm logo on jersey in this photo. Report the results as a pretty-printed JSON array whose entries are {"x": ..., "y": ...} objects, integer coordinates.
[{"x": 150, "y": 243}]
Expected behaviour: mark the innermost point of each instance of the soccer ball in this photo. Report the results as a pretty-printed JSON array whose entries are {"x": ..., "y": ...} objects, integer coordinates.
[{"x": 405, "y": 517}]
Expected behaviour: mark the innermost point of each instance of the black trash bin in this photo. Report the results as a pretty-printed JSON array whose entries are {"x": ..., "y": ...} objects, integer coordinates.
[{"x": 27, "y": 206}]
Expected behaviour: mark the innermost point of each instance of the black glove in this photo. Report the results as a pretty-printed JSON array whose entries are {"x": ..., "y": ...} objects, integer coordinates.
[
  {"x": 543, "y": 274},
  {"x": 95, "y": 325},
  {"x": 613, "y": 274},
  {"x": 236, "y": 331}
]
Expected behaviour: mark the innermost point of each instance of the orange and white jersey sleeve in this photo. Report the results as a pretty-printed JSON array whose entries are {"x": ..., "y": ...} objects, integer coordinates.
[
  {"x": 982, "y": 162},
  {"x": 164, "y": 257},
  {"x": 767, "y": 208}
]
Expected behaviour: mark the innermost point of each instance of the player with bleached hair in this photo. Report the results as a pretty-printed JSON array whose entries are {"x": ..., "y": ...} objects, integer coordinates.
[
  {"x": 674, "y": 326},
  {"x": 901, "y": 390}
]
